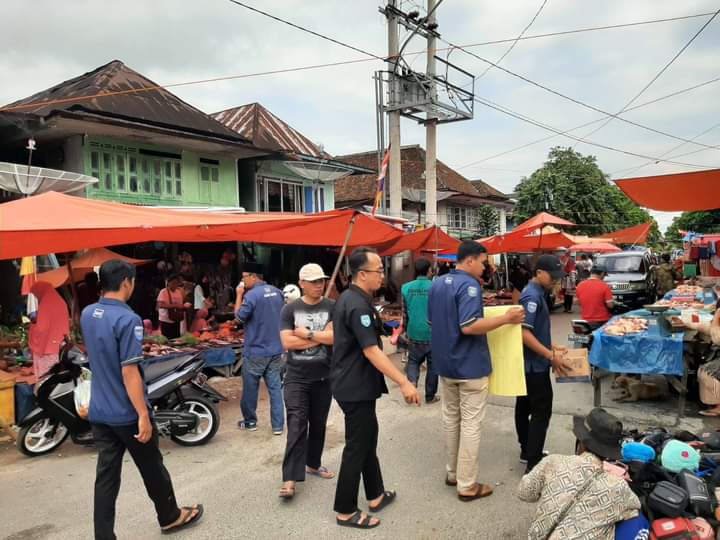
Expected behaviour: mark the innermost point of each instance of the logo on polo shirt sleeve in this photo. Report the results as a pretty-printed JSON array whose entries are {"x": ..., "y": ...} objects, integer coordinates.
[
  {"x": 365, "y": 320},
  {"x": 532, "y": 307},
  {"x": 472, "y": 291},
  {"x": 98, "y": 313},
  {"x": 139, "y": 333}
]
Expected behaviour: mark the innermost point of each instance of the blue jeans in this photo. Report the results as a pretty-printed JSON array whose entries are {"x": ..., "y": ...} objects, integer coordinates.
[
  {"x": 270, "y": 369},
  {"x": 419, "y": 352}
]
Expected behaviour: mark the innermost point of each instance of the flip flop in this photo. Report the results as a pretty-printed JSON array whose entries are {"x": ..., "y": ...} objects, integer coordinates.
[
  {"x": 322, "y": 472},
  {"x": 388, "y": 498},
  {"x": 483, "y": 491},
  {"x": 358, "y": 521},
  {"x": 287, "y": 493},
  {"x": 709, "y": 413},
  {"x": 190, "y": 520}
]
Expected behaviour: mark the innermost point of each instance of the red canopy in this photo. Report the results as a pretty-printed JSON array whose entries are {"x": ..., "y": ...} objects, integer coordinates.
[
  {"x": 595, "y": 247},
  {"x": 632, "y": 235},
  {"x": 55, "y": 223},
  {"x": 683, "y": 192},
  {"x": 519, "y": 242},
  {"x": 432, "y": 239},
  {"x": 542, "y": 219}
]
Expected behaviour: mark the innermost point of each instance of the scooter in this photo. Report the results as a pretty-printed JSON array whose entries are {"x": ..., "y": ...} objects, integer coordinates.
[{"x": 183, "y": 404}]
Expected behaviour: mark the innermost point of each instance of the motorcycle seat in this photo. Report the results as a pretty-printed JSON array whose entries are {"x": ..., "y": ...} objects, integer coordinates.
[{"x": 158, "y": 368}]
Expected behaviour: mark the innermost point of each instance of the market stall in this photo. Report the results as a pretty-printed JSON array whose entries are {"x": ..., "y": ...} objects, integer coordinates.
[{"x": 654, "y": 340}]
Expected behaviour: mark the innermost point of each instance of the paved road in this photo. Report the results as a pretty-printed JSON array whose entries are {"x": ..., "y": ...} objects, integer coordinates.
[{"x": 237, "y": 476}]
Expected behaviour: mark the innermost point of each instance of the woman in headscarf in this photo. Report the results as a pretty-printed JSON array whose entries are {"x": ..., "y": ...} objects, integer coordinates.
[{"x": 50, "y": 326}]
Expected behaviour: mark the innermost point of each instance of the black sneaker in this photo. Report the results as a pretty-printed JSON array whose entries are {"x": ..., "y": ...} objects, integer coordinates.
[
  {"x": 524, "y": 460},
  {"x": 247, "y": 426}
]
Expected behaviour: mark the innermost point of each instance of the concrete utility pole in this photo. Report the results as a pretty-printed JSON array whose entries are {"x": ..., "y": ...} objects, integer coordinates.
[
  {"x": 431, "y": 217},
  {"x": 394, "y": 171}
]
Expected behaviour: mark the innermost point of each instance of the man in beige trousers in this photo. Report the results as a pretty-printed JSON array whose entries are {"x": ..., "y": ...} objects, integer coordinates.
[{"x": 460, "y": 349}]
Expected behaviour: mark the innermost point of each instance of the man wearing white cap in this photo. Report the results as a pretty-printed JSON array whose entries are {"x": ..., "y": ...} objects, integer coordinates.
[{"x": 307, "y": 335}]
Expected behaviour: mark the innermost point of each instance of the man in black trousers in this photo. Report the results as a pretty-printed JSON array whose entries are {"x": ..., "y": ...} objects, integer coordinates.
[
  {"x": 119, "y": 411},
  {"x": 357, "y": 378},
  {"x": 307, "y": 335}
]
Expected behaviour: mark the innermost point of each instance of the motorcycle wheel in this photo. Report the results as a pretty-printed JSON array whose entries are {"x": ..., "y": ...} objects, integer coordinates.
[
  {"x": 208, "y": 421},
  {"x": 41, "y": 437}
]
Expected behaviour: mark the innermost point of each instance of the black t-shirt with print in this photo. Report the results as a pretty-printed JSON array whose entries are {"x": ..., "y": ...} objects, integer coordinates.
[{"x": 311, "y": 364}]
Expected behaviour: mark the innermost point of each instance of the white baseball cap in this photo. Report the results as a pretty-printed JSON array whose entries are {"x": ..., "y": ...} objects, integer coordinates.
[{"x": 312, "y": 272}]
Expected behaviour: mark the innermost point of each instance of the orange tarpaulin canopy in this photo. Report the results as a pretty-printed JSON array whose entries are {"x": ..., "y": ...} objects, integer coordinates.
[
  {"x": 595, "y": 247},
  {"x": 632, "y": 235},
  {"x": 520, "y": 242},
  {"x": 683, "y": 192},
  {"x": 83, "y": 264},
  {"x": 432, "y": 239},
  {"x": 540, "y": 220},
  {"x": 55, "y": 223}
]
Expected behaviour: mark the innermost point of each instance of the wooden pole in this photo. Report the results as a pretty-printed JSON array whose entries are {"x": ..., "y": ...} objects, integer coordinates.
[
  {"x": 340, "y": 256},
  {"x": 75, "y": 299}
]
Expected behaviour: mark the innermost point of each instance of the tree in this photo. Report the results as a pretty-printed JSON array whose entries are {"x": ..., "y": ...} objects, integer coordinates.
[
  {"x": 702, "y": 222},
  {"x": 572, "y": 186},
  {"x": 486, "y": 221}
]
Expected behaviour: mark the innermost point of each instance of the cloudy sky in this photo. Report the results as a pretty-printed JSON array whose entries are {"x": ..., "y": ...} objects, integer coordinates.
[{"x": 173, "y": 41}]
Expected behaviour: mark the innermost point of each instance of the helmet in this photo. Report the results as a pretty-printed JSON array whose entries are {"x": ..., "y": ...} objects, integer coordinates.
[{"x": 291, "y": 293}]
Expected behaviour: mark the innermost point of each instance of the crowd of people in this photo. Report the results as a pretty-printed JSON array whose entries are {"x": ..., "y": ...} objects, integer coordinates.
[{"x": 312, "y": 350}]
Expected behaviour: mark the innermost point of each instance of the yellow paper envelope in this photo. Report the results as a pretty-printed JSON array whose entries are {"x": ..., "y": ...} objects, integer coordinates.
[{"x": 506, "y": 353}]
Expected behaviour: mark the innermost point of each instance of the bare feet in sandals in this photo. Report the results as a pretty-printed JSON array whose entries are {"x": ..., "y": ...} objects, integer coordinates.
[
  {"x": 358, "y": 520},
  {"x": 189, "y": 515},
  {"x": 287, "y": 491},
  {"x": 320, "y": 472}
]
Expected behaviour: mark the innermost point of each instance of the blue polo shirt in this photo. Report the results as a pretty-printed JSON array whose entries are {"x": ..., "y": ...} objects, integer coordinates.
[
  {"x": 113, "y": 336},
  {"x": 260, "y": 314},
  {"x": 456, "y": 301},
  {"x": 537, "y": 319}
]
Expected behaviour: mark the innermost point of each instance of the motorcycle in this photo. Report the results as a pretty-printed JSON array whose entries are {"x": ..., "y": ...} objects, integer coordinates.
[{"x": 184, "y": 405}]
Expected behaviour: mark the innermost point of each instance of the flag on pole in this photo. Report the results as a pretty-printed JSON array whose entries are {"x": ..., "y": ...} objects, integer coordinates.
[{"x": 380, "y": 190}]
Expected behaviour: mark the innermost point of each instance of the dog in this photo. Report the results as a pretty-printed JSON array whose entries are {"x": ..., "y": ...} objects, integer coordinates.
[{"x": 632, "y": 389}]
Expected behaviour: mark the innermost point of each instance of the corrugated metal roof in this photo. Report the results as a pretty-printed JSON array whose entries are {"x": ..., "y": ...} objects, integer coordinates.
[
  {"x": 157, "y": 107},
  {"x": 265, "y": 130}
]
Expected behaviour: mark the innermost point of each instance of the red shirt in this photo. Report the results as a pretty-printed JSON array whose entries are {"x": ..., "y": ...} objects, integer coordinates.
[{"x": 592, "y": 295}]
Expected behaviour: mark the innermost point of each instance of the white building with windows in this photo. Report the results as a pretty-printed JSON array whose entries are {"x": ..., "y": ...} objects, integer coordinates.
[{"x": 297, "y": 176}]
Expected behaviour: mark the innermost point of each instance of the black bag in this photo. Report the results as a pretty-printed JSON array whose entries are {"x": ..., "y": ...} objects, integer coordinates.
[
  {"x": 697, "y": 490},
  {"x": 668, "y": 500}
]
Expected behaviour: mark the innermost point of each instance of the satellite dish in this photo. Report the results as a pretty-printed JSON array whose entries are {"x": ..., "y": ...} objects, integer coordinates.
[{"x": 25, "y": 180}]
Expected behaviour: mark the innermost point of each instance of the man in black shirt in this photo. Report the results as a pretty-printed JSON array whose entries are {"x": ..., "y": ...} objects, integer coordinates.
[
  {"x": 306, "y": 333},
  {"x": 357, "y": 378}
]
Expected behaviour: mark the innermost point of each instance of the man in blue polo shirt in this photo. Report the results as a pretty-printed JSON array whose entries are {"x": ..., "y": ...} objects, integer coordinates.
[
  {"x": 533, "y": 411},
  {"x": 119, "y": 413},
  {"x": 462, "y": 359},
  {"x": 258, "y": 307}
]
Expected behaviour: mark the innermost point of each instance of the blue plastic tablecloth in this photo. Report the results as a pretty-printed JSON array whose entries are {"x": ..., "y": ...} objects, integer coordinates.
[
  {"x": 223, "y": 356},
  {"x": 652, "y": 351},
  {"x": 706, "y": 296}
]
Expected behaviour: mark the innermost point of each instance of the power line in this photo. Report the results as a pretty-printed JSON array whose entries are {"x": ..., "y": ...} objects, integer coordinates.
[
  {"x": 305, "y": 29},
  {"x": 547, "y": 127},
  {"x": 633, "y": 170},
  {"x": 659, "y": 73},
  {"x": 586, "y": 124},
  {"x": 512, "y": 45},
  {"x": 372, "y": 57},
  {"x": 568, "y": 98}
]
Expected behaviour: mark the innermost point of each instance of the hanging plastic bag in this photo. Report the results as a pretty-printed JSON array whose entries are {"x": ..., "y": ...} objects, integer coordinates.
[{"x": 82, "y": 393}]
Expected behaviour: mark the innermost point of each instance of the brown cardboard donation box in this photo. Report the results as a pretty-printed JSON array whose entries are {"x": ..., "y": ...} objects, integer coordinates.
[{"x": 580, "y": 367}]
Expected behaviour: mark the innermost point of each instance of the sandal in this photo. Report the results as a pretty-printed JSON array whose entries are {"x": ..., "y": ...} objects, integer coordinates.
[
  {"x": 287, "y": 493},
  {"x": 189, "y": 520},
  {"x": 358, "y": 521},
  {"x": 387, "y": 498},
  {"x": 709, "y": 413},
  {"x": 449, "y": 482},
  {"x": 321, "y": 472},
  {"x": 483, "y": 490}
]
